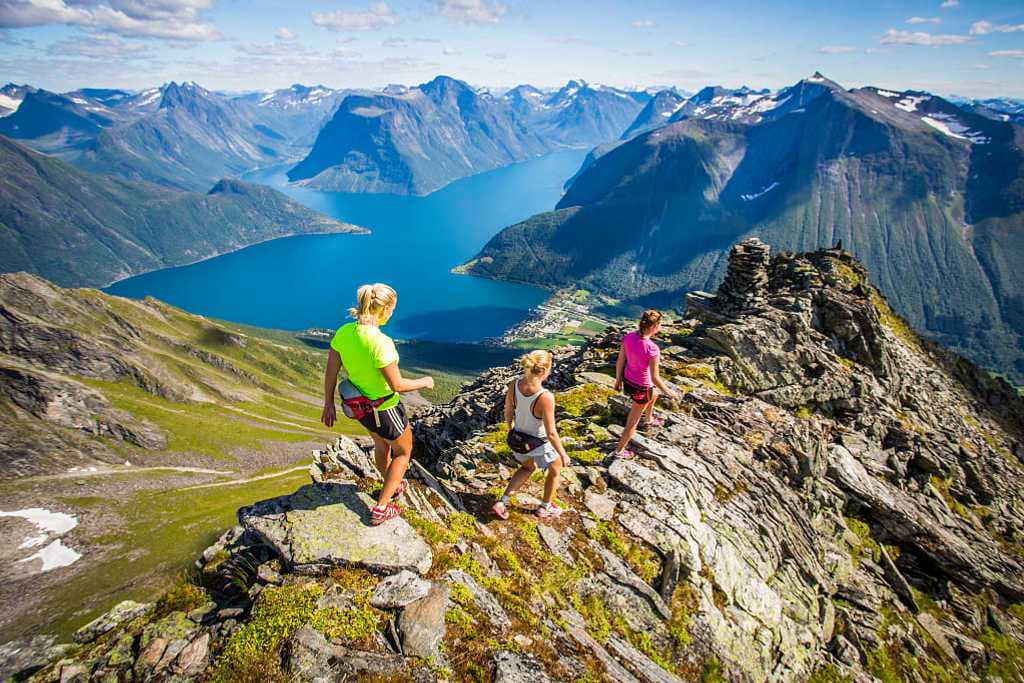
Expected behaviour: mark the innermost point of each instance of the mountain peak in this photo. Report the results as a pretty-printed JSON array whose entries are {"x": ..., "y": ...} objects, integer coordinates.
[{"x": 820, "y": 79}]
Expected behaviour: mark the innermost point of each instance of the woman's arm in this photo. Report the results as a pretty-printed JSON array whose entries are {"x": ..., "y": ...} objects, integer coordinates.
[
  {"x": 656, "y": 378},
  {"x": 620, "y": 365},
  {"x": 400, "y": 384},
  {"x": 547, "y": 406},
  {"x": 328, "y": 415},
  {"x": 510, "y": 406}
]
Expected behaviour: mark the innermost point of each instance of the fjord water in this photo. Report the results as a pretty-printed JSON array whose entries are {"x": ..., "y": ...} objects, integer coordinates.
[{"x": 306, "y": 281}]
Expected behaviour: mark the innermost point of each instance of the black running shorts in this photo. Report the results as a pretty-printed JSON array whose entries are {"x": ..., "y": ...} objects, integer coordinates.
[{"x": 392, "y": 422}]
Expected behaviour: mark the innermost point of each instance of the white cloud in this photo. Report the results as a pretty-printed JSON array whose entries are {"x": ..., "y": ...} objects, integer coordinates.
[
  {"x": 97, "y": 46},
  {"x": 644, "y": 23},
  {"x": 169, "y": 19},
  {"x": 981, "y": 28},
  {"x": 374, "y": 17},
  {"x": 471, "y": 11},
  {"x": 982, "y": 67},
  {"x": 1016, "y": 54},
  {"x": 924, "y": 20},
  {"x": 497, "y": 55},
  {"x": 896, "y": 37},
  {"x": 285, "y": 33},
  {"x": 949, "y": 3},
  {"x": 450, "y": 51},
  {"x": 394, "y": 42},
  {"x": 836, "y": 49},
  {"x": 680, "y": 43}
]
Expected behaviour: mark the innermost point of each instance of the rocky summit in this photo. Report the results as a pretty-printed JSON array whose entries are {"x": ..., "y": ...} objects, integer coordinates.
[{"x": 831, "y": 498}]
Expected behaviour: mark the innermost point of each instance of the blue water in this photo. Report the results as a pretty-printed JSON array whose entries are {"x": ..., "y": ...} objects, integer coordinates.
[{"x": 310, "y": 281}]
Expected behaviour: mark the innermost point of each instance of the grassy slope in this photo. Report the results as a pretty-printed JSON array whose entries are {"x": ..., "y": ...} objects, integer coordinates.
[{"x": 77, "y": 228}]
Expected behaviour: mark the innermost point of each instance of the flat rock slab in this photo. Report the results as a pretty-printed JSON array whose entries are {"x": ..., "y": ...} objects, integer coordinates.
[
  {"x": 325, "y": 525},
  {"x": 119, "y": 614},
  {"x": 511, "y": 667},
  {"x": 483, "y": 599},
  {"x": 602, "y": 506}
]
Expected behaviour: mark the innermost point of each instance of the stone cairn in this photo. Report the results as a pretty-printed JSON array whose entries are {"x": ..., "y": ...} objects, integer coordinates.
[
  {"x": 746, "y": 280},
  {"x": 745, "y": 284}
]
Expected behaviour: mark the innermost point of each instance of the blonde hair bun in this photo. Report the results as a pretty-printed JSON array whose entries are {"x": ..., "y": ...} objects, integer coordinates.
[
  {"x": 373, "y": 300},
  {"x": 536, "y": 362},
  {"x": 649, "y": 319}
]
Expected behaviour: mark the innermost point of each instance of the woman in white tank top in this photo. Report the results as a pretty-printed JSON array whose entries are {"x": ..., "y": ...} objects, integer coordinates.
[{"x": 530, "y": 409}]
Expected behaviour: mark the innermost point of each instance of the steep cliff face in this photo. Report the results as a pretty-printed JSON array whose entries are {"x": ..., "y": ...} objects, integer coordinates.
[{"x": 831, "y": 498}]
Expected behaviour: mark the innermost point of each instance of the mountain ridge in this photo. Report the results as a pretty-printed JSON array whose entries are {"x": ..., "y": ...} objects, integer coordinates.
[
  {"x": 927, "y": 194},
  {"x": 830, "y": 498},
  {"x": 417, "y": 140}
]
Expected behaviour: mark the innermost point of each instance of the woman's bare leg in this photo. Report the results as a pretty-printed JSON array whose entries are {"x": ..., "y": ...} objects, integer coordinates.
[
  {"x": 551, "y": 482},
  {"x": 381, "y": 454},
  {"x": 401, "y": 450},
  {"x": 629, "y": 430},
  {"x": 649, "y": 408},
  {"x": 519, "y": 477}
]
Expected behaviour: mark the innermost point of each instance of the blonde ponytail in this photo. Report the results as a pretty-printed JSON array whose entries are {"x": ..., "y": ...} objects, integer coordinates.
[
  {"x": 536, "y": 362},
  {"x": 372, "y": 301}
]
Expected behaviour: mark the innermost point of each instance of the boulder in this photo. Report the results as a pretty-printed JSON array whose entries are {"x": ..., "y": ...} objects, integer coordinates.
[
  {"x": 325, "y": 525},
  {"x": 121, "y": 612},
  {"x": 309, "y": 657},
  {"x": 26, "y": 655},
  {"x": 422, "y": 624},
  {"x": 398, "y": 590},
  {"x": 194, "y": 657}
]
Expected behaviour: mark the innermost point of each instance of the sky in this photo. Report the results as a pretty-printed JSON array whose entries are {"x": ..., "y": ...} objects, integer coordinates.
[{"x": 971, "y": 48}]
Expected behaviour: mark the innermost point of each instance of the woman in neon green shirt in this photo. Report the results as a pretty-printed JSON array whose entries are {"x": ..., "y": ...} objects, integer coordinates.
[{"x": 370, "y": 360}]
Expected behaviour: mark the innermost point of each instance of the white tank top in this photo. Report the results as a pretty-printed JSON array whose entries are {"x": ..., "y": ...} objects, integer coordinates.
[{"x": 526, "y": 421}]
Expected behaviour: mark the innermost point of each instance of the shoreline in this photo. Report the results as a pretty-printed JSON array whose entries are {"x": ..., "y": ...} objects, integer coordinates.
[{"x": 358, "y": 230}]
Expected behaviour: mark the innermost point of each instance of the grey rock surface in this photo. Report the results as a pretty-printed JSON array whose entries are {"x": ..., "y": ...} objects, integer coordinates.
[{"x": 325, "y": 525}]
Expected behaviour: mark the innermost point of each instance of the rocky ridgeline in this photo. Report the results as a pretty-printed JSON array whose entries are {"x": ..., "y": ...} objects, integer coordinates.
[{"x": 830, "y": 499}]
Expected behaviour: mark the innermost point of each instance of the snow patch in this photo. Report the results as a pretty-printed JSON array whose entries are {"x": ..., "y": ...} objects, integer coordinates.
[
  {"x": 9, "y": 103},
  {"x": 910, "y": 102},
  {"x": 765, "y": 190},
  {"x": 54, "y": 556},
  {"x": 888, "y": 93},
  {"x": 45, "y": 521},
  {"x": 79, "y": 100},
  {"x": 948, "y": 124}
]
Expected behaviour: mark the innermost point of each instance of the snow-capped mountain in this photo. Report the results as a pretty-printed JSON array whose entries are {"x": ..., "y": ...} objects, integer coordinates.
[
  {"x": 11, "y": 96},
  {"x": 656, "y": 112},
  {"x": 929, "y": 193}
]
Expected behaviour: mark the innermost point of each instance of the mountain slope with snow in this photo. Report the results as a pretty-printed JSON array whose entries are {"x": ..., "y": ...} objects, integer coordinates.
[{"x": 929, "y": 195}]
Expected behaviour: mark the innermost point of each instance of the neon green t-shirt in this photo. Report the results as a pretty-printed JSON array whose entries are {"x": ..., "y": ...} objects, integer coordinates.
[{"x": 364, "y": 350}]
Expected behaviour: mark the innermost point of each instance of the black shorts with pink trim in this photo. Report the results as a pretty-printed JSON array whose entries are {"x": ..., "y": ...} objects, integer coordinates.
[
  {"x": 392, "y": 422},
  {"x": 639, "y": 394}
]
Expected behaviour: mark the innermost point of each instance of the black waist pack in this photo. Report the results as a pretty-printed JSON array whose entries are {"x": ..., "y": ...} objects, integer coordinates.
[{"x": 521, "y": 442}]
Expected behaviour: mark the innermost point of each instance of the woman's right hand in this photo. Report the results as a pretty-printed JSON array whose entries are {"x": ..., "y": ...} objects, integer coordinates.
[
  {"x": 329, "y": 415},
  {"x": 428, "y": 382},
  {"x": 618, "y": 385}
]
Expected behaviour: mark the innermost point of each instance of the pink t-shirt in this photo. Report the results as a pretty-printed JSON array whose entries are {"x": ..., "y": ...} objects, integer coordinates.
[{"x": 639, "y": 352}]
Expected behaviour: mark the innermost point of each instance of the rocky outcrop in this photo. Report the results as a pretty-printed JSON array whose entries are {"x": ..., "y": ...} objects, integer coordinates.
[{"x": 830, "y": 498}]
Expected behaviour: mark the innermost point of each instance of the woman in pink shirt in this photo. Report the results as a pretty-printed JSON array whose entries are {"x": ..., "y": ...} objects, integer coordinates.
[{"x": 637, "y": 372}]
